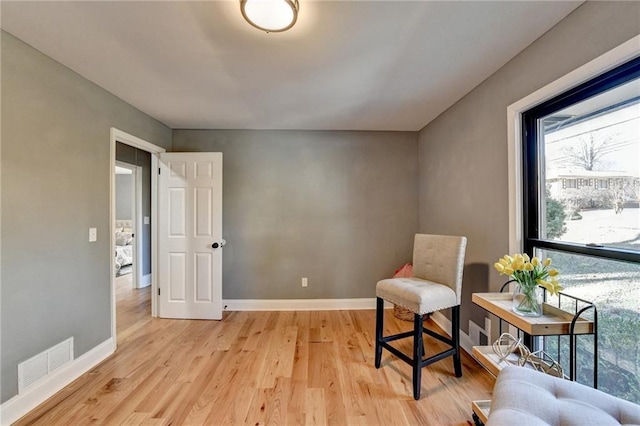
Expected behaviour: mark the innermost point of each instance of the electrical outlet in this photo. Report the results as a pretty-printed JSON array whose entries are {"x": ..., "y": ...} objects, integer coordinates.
[{"x": 305, "y": 283}]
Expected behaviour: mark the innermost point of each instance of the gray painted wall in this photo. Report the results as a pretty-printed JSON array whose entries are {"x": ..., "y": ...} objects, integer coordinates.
[
  {"x": 463, "y": 153},
  {"x": 137, "y": 157},
  {"x": 124, "y": 197},
  {"x": 337, "y": 207},
  {"x": 55, "y": 185}
]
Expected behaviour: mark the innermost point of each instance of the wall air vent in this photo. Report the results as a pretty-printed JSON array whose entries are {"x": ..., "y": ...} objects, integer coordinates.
[{"x": 37, "y": 367}]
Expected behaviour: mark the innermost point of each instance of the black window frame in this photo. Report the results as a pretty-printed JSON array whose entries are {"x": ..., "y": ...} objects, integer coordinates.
[{"x": 534, "y": 184}]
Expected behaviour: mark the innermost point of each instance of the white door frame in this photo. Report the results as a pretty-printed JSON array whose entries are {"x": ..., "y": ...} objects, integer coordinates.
[
  {"x": 136, "y": 220},
  {"x": 127, "y": 139},
  {"x": 139, "y": 280}
]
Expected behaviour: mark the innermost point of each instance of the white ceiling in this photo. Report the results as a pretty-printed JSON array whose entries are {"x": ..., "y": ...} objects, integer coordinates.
[{"x": 346, "y": 65}]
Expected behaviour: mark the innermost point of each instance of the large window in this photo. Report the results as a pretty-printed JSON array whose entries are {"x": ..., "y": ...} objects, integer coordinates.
[{"x": 581, "y": 164}]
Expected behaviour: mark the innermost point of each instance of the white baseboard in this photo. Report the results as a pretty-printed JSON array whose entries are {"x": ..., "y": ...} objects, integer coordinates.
[
  {"x": 40, "y": 391},
  {"x": 146, "y": 281},
  {"x": 300, "y": 304},
  {"x": 444, "y": 323}
]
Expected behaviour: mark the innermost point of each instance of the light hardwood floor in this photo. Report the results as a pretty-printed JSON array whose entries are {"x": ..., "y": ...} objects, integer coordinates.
[{"x": 259, "y": 368}]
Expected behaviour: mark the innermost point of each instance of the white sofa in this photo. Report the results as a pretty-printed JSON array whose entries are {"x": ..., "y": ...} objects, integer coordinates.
[{"x": 525, "y": 397}]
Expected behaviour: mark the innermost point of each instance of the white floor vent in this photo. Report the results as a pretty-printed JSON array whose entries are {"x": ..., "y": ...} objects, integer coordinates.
[{"x": 37, "y": 367}]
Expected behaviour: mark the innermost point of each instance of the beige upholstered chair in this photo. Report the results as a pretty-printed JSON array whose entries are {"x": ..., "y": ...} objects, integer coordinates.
[
  {"x": 526, "y": 397},
  {"x": 438, "y": 261}
]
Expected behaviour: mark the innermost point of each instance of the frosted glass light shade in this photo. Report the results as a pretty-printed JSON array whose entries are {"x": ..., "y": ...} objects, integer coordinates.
[{"x": 270, "y": 15}]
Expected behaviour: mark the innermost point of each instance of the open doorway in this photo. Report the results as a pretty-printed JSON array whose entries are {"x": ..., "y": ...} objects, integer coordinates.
[
  {"x": 132, "y": 230},
  {"x": 127, "y": 235},
  {"x": 131, "y": 295},
  {"x": 131, "y": 237},
  {"x": 135, "y": 291}
]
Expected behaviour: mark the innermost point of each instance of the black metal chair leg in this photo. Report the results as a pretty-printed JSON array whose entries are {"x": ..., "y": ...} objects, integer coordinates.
[
  {"x": 455, "y": 336},
  {"x": 379, "y": 327},
  {"x": 424, "y": 350},
  {"x": 416, "y": 361},
  {"x": 417, "y": 355}
]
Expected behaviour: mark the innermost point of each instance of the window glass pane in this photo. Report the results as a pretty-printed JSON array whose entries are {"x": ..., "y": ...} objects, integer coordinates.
[
  {"x": 590, "y": 162},
  {"x": 614, "y": 287}
]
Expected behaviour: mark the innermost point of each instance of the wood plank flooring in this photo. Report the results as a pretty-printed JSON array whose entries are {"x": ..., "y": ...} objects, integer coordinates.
[{"x": 259, "y": 368}]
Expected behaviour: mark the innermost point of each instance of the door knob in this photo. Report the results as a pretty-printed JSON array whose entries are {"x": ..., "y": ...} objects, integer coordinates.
[{"x": 220, "y": 244}]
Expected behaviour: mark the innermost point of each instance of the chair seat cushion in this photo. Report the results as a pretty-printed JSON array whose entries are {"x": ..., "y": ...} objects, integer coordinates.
[
  {"x": 525, "y": 397},
  {"x": 419, "y": 296}
]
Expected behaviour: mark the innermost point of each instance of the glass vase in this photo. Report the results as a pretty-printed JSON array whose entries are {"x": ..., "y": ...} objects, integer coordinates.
[{"x": 527, "y": 300}]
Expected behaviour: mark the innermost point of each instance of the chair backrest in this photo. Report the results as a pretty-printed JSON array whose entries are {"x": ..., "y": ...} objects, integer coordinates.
[{"x": 440, "y": 258}]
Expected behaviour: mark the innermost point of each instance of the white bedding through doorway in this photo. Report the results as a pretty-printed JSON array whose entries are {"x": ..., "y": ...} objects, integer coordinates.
[{"x": 124, "y": 256}]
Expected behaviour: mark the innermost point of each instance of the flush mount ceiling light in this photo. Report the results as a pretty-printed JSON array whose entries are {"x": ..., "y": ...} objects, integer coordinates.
[{"x": 272, "y": 16}]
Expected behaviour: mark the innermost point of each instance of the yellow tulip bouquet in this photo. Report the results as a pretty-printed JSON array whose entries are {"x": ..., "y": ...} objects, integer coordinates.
[{"x": 528, "y": 274}]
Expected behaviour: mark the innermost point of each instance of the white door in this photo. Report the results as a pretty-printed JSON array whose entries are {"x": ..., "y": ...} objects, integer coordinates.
[{"x": 190, "y": 235}]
